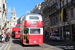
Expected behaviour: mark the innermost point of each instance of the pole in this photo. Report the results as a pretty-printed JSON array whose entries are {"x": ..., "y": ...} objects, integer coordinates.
[
  {"x": 62, "y": 30},
  {"x": 63, "y": 22},
  {"x": 60, "y": 17},
  {"x": 71, "y": 31}
]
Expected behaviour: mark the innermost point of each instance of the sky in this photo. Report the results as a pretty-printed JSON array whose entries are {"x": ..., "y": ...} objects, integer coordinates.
[{"x": 22, "y": 7}]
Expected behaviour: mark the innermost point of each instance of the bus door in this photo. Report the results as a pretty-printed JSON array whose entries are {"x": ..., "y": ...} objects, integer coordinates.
[{"x": 26, "y": 37}]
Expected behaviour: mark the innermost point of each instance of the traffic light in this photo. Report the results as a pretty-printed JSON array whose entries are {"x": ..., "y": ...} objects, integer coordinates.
[{"x": 63, "y": 15}]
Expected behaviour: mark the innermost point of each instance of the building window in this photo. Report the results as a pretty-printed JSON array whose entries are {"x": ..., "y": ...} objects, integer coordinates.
[
  {"x": 56, "y": 20},
  {"x": 72, "y": 12},
  {"x": 7, "y": 21},
  {"x": 51, "y": 22},
  {"x": 14, "y": 23},
  {"x": 10, "y": 24},
  {"x": 3, "y": 18},
  {"x": 60, "y": 19},
  {"x": 14, "y": 18}
]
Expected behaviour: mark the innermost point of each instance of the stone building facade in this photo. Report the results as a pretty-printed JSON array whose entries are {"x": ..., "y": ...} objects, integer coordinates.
[
  {"x": 49, "y": 7},
  {"x": 3, "y": 13},
  {"x": 37, "y": 9},
  {"x": 12, "y": 21},
  {"x": 50, "y": 10}
]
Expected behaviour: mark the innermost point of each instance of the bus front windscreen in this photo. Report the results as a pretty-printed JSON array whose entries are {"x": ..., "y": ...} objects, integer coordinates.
[
  {"x": 34, "y": 31},
  {"x": 34, "y": 17},
  {"x": 18, "y": 25}
]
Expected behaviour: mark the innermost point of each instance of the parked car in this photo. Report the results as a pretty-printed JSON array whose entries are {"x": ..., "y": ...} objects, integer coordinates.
[{"x": 55, "y": 36}]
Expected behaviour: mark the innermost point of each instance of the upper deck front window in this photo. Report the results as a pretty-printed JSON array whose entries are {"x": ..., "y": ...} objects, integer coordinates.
[
  {"x": 18, "y": 25},
  {"x": 34, "y": 17}
]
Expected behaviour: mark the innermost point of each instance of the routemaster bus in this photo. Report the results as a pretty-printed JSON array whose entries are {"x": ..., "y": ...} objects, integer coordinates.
[
  {"x": 31, "y": 29},
  {"x": 13, "y": 32},
  {"x": 17, "y": 31}
]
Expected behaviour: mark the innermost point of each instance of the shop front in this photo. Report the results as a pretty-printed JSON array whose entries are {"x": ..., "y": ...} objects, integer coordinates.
[
  {"x": 47, "y": 27},
  {"x": 67, "y": 32},
  {"x": 73, "y": 29}
]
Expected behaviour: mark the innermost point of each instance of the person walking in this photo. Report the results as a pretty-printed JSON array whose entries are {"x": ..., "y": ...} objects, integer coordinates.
[
  {"x": 7, "y": 35},
  {"x": 45, "y": 33},
  {"x": 0, "y": 34},
  {"x": 4, "y": 36}
]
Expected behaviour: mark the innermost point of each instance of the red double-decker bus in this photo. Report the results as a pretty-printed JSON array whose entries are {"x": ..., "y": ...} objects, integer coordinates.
[
  {"x": 17, "y": 31},
  {"x": 31, "y": 29},
  {"x": 13, "y": 32}
]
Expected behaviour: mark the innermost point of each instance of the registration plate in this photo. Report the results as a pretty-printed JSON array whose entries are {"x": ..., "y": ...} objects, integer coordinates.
[{"x": 34, "y": 41}]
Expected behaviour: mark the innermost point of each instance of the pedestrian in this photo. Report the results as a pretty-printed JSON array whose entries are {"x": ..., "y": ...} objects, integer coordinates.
[
  {"x": 7, "y": 35},
  {"x": 45, "y": 33},
  {"x": 0, "y": 30},
  {"x": 10, "y": 34},
  {"x": 0, "y": 34},
  {"x": 4, "y": 36},
  {"x": 6, "y": 39}
]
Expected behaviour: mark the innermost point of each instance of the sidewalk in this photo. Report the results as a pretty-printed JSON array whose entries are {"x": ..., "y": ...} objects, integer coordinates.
[{"x": 63, "y": 40}]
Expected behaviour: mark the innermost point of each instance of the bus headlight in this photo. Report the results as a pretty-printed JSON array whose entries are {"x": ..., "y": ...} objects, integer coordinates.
[
  {"x": 16, "y": 32},
  {"x": 35, "y": 41}
]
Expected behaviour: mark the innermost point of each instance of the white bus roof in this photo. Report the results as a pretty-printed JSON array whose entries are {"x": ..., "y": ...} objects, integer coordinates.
[{"x": 31, "y": 14}]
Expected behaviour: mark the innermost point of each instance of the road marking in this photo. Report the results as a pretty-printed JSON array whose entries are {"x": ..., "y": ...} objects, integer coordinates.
[
  {"x": 18, "y": 49},
  {"x": 49, "y": 48},
  {"x": 9, "y": 47},
  {"x": 26, "y": 47},
  {"x": 6, "y": 46},
  {"x": 64, "y": 44},
  {"x": 13, "y": 46},
  {"x": 2, "y": 46}
]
